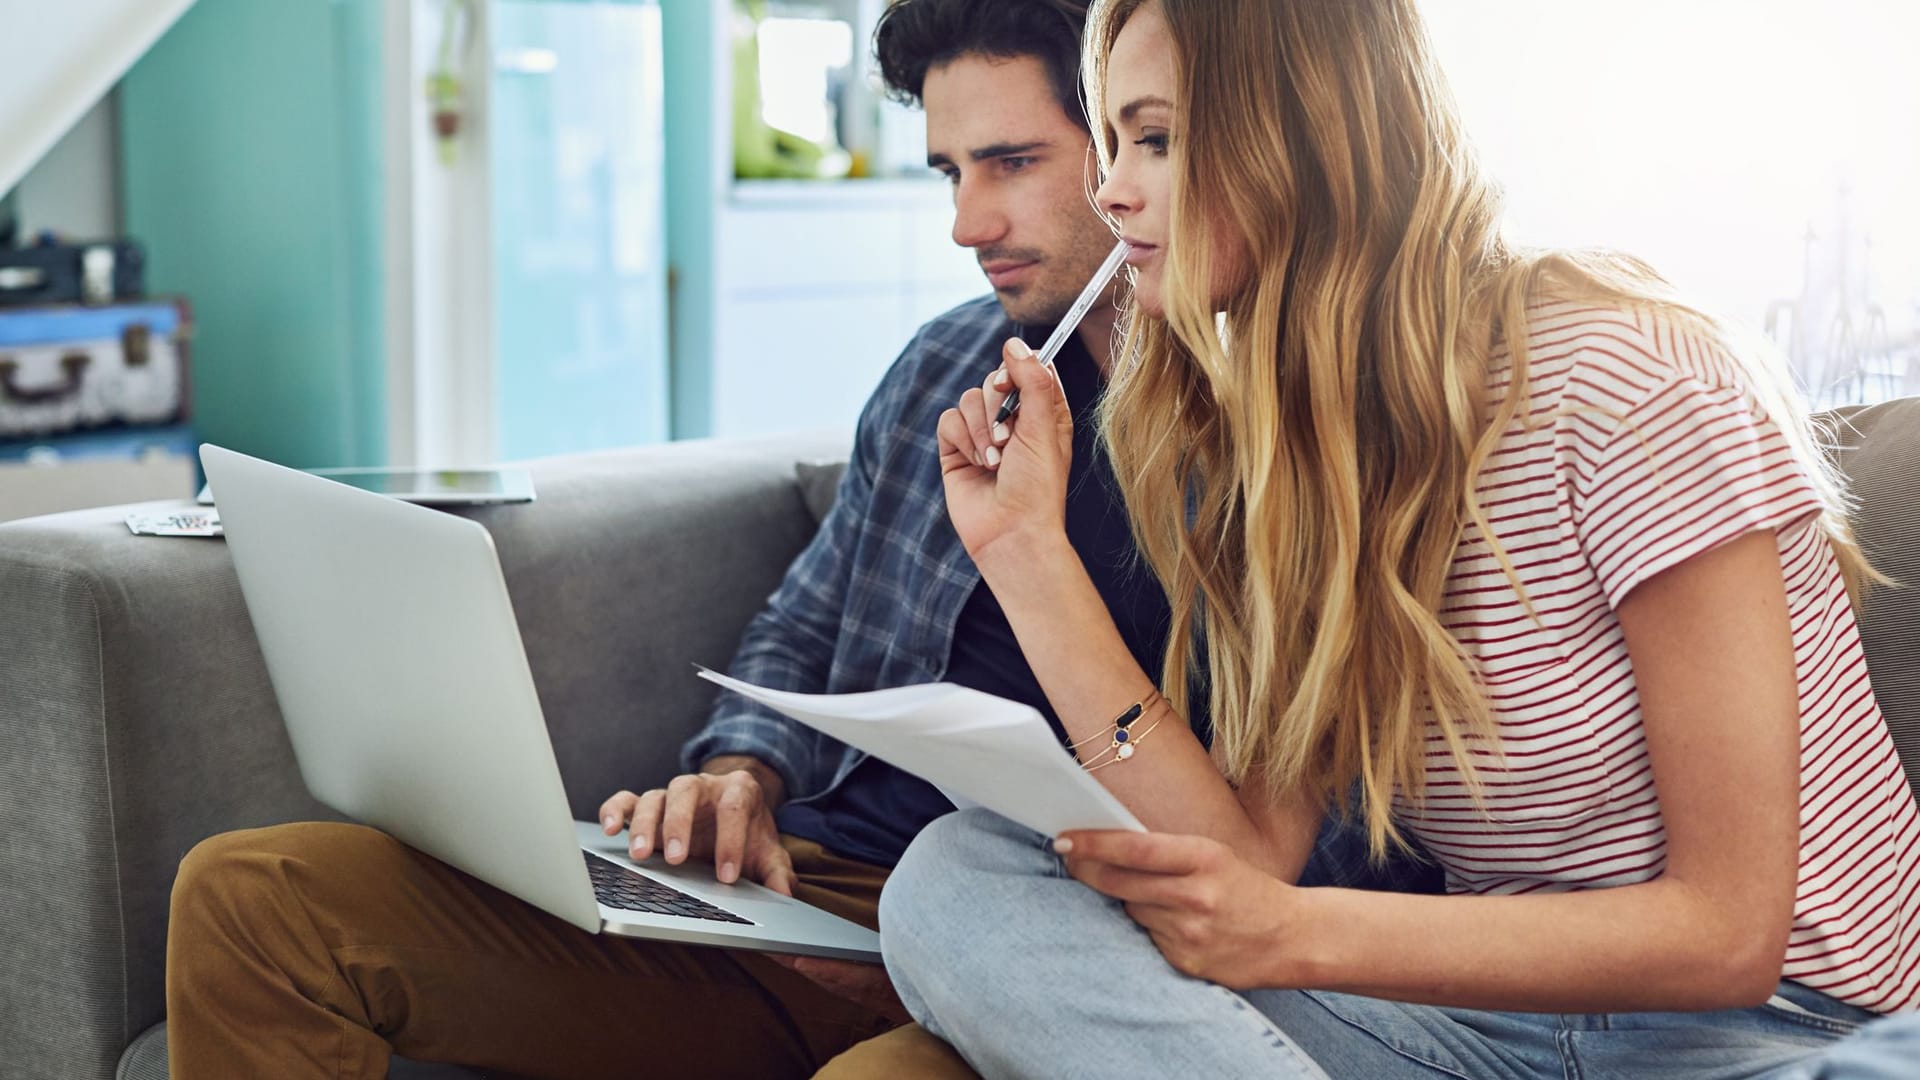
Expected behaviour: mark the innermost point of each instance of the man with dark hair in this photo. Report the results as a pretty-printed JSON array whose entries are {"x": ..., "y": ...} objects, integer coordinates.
[
  {"x": 914, "y": 38},
  {"x": 319, "y": 949}
]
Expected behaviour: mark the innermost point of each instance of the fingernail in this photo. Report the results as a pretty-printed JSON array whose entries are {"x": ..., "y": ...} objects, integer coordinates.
[
  {"x": 1000, "y": 433},
  {"x": 674, "y": 848},
  {"x": 1000, "y": 379},
  {"x": 1021, "y": 348},
  {"x": 993, "y": 456},
  {"x": 728, "y": 871},
  {"x": 608, "y": 822},
  {"x": 1062, "y": 845},
  {"x": 639, "y": 841}
]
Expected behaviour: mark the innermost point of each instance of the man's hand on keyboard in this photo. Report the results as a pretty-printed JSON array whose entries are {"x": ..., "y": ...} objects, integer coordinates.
[{"x": 724, "y": 813}]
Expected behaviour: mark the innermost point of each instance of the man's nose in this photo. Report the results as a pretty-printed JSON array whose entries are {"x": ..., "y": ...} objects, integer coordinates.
[{"x": 978, "y": 219}]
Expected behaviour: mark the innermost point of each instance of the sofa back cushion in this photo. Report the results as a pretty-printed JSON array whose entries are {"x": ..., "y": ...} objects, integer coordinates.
[
  {"x": 1878, "y": 447},
  {"x": 819, "y": 485}
]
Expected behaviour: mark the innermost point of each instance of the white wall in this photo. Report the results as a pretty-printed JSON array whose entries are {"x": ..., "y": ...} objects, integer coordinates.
[
  {"x": 74, "y": 190},
  {"x": 60, "y": 59}
]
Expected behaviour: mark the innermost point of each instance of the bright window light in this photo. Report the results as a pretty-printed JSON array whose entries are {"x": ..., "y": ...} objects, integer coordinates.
[
  {"x": 796, "y": 57},
  {"x": 1762, "y": 154}
]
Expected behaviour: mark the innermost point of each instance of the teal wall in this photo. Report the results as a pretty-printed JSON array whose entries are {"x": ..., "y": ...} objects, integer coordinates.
[{"x": 251, "y": 157}]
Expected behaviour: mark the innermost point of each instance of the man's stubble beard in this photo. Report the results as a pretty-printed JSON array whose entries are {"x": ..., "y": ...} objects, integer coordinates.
[{"x": 1064, "y": 274}]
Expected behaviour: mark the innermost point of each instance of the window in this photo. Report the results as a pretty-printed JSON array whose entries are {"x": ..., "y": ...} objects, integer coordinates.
[{"x": 1759, "y": 153}]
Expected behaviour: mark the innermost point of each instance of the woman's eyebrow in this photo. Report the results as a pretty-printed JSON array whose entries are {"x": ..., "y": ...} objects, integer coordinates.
[{"x": 1133, "y": 108}]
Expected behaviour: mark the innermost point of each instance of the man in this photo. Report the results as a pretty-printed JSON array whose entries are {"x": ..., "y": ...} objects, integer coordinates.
[{"x": 319, "y": 949}]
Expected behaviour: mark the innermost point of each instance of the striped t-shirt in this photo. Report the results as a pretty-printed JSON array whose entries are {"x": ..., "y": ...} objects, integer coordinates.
[{"x": 1645, "y": 450}]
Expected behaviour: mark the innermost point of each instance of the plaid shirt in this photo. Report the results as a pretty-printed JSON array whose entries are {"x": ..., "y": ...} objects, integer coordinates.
[{"x": 872, "y": 601}]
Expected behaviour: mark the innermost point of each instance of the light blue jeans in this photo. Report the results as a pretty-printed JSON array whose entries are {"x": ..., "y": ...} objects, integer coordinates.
[{"x": 1028, "y": 973}]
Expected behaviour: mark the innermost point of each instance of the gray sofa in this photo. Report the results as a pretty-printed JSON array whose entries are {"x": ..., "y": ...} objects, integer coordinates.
[{"x": 136, "y": 718}]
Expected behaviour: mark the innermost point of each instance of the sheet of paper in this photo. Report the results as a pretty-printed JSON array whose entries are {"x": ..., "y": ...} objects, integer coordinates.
[{"x": 975, "y": 747}]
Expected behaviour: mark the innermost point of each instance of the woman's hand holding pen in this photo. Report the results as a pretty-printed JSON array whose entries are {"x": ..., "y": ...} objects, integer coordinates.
[{"x": 1008, "y": 480}]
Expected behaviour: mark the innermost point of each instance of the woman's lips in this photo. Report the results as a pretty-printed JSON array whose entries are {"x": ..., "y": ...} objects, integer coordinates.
[
  {"x": 1138, "y": 254},
  {"x": 1003, "y": 274}
]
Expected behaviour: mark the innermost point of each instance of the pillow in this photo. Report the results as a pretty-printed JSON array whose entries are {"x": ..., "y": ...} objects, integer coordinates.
[
  {"x": 1878, "y": 447},
  {"x": 819, "y": 483}
]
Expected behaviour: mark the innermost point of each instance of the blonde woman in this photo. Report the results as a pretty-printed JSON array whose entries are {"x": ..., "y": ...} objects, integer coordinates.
[{"x": 1513, "y": 544}]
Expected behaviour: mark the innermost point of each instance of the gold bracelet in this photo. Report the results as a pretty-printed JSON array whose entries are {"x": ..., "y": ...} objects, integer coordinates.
[
  {"x": 1120, "y": 736},
  {"x": 1119, "y": 724},
  {"x": 1121, "y": 747}
]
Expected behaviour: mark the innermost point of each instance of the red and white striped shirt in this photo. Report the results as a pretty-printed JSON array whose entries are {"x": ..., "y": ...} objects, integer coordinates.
[{"x": 1646, "y": 449}]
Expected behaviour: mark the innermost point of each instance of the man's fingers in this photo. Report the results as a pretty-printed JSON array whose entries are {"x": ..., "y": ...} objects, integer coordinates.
[
  {"x": 776, "y": 869},
  {"x": 684, "y": 795},
  {"x": 739, "y": 803},
  {"x": 615, "y": 812},
  {"x": 645, "y": 823}
]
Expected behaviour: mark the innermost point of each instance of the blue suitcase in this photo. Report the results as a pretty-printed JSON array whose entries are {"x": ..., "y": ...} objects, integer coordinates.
[{"x": 65, "y": 369}]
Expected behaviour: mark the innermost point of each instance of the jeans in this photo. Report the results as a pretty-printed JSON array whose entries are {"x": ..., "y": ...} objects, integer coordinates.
[{"x": 1029, "y": 973}]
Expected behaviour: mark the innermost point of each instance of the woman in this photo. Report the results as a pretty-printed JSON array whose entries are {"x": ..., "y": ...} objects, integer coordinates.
[{"x": 1512, "y": 544}]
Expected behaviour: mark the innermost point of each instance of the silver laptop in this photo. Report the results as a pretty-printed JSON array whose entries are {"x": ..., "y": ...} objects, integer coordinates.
[{"x": 393, "y": 650}]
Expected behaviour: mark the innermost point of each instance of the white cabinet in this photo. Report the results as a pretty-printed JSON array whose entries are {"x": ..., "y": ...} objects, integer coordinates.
[{"x": 819, "y": 286}]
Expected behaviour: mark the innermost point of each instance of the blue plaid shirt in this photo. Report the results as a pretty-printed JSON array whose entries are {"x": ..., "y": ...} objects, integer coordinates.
[{"x": 872, "y": 601}]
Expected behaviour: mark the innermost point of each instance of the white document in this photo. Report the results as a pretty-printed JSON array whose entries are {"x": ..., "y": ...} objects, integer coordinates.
[{"x": 976, "y": 748}]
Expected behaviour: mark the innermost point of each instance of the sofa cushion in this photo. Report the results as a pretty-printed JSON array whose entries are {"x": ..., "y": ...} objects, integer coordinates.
[
  {"x": 819, "y": 484},
  {"x": 1878, "y": 447}
]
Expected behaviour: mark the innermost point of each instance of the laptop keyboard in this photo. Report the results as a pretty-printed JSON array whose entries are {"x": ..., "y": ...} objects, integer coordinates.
[{"x": 618, "y": 887}]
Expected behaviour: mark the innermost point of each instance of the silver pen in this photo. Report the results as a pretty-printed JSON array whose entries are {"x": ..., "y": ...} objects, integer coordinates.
[{"x": 1070, "y": 322}]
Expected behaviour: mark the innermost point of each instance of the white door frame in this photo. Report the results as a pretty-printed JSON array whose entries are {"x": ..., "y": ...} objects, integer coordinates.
[{"x": 441, "y": 408}]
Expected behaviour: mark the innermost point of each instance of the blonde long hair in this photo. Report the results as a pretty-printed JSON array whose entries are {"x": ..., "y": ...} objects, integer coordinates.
[{"x": 1300, "y": 467}]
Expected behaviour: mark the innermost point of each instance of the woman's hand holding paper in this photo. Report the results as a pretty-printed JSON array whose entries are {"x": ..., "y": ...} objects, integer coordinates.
[{"x": 1211, "y": 913}]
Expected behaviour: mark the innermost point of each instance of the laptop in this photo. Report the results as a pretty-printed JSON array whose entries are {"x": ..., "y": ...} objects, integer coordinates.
[
  {"x": 392, "y": 647},
  {"x": 428, "y": 487}
]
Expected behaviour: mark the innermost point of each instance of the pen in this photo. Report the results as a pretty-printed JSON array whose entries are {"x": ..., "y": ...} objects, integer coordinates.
[{"x": 1058, "y": 339}]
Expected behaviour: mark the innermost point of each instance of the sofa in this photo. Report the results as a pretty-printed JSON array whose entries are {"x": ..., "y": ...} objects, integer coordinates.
[{"x": 136, "y": 716}]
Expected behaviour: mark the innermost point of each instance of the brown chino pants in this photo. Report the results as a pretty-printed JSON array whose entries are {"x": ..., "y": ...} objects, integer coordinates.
[{"x": 317, "y": 950}]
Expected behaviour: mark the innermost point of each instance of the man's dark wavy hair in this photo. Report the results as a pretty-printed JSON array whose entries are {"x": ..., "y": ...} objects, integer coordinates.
[{"x": 914, "y": 36}]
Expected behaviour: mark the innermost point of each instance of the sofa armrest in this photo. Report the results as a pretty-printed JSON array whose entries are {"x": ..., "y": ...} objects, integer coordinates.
[{"x": 136, "y": 717}]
